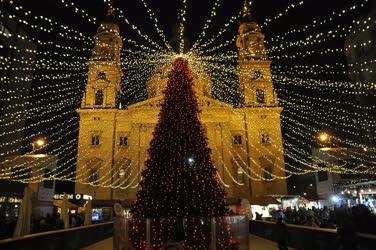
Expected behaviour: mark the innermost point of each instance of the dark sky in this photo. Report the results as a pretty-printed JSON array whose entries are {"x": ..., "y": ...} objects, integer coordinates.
[{"x": 197, "y": 12}]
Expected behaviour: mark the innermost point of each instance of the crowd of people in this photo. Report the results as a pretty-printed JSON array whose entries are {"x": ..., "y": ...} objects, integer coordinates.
[
  {"x": 359, "y": 217},
  {"x": 348, "y": 222},
  {"x": 38, "y": 225},
  {"x": 54, "y": 222}
]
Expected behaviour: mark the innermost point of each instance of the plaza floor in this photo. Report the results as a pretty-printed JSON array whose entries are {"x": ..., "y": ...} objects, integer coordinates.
[{"x": 256, "y": 243}]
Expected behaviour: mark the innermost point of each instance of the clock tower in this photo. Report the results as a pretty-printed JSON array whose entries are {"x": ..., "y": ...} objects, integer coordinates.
[
  {"x": 104, "y": 68},
  {"x": 261, "y": 111},
  {"x": 256, "y": 87},
  {"x": 98, "y": 115}
]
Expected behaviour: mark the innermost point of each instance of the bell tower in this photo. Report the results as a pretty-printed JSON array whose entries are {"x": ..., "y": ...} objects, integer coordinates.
[
  {"x": 105, "y": 73},
  {"x": 256, "y": 87},
  {"x": 98, "y": 114},
  {"x": 261, "y": 111}
]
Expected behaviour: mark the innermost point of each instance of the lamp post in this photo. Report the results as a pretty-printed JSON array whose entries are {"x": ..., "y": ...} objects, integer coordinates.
[
  {"x": 37, "y": 144},
  {"x": 323, "y": 137}
]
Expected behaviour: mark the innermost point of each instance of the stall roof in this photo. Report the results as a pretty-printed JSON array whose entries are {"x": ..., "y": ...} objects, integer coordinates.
[{"x": 264, "y": 200}]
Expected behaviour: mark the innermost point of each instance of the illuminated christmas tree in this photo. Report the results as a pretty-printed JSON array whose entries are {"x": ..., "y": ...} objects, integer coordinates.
[{"x": 180, "y": 179}]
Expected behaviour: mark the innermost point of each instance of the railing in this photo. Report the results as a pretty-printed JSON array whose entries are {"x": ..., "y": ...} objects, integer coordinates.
[
  {"x": 313, "y": 238},
  {"x": 64, "y": 239},
  {"x": 230, "y": 232}
]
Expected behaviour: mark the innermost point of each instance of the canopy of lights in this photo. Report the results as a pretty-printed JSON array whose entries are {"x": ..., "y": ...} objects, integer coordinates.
[{"x": 315, "y": 84}]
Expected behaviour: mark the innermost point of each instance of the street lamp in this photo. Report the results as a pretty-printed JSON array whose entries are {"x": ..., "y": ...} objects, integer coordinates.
[
  {"x": 38, "y": 143},
  {"x": 323, "y": 137}
]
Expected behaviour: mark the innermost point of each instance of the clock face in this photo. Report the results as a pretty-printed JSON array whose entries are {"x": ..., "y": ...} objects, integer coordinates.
[
  {"x": 257, "y": 74},
  {"x": 101, "y": 76}
]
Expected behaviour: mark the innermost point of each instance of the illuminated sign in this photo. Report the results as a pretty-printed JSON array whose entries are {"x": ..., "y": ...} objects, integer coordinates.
[
  {"x": 10, "y": 199},
  {"x": 73, "y": 196}
]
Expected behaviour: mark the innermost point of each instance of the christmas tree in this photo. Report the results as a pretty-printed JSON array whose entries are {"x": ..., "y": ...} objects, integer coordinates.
[{"x": 179, "y": 179}]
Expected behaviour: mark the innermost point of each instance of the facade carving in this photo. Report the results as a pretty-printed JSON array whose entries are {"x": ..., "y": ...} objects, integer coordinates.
[{"x": 246, "y": 141}]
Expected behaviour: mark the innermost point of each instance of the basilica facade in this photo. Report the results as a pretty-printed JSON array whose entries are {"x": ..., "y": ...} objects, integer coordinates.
[{"x": 246, "y": 140}]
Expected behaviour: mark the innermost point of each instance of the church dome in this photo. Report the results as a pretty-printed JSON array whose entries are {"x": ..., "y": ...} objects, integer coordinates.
[{"x": 158, "y": 81}]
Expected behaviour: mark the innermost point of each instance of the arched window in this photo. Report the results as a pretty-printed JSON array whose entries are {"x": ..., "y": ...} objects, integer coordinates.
[
  {"x": 267, "y": 163},
  {"x": 257, "y": 74},
  {"x": 95, "y": 140},
  {"x": 265, "y": 138},
  {"x": 240, "y": 175},
  {"x": 93, "y": 174},
  {"x": 268, "y": 171},
  {"x": 101, "y": 75},
  {"x": 260, "y": 95},
  {"x": 237, "y": 140},
  {"x": 124, "y": 171},
  {"x": 239, "y": 167},
  {"x": 99, "y": 97}
]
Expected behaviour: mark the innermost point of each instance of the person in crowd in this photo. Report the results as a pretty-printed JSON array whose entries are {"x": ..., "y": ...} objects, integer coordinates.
[
  {"x": 3, "y": 226},
  {"x": 258, "y": 216},
  {"x": 310, "y": 222},
  {"x": 347, "y": 234},
  {"x": 73, "y": 220},
  {"x": 43, "y": 226},
  {"x": 178, "y": 238},
  {"x": 280, "y": 234},
  {"x": 59, "y": 224},
  {"x": 363, "y": 219},
  {"x": 119, "y": 239}
]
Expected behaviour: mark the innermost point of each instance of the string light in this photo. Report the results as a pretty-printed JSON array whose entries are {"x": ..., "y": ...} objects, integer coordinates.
[{"x": 139, "y": 61}]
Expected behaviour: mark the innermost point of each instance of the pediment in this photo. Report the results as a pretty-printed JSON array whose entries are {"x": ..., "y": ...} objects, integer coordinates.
[
  {"x": 152, "y": 103},
  {"x": 203, "y": 103},
  {"x": 207, "y": 102}
]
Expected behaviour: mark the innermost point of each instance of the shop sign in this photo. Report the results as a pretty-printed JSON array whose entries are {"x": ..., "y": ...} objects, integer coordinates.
[
  {"x": 73, "y": 196},
  {"x": 10, "y": 199}
]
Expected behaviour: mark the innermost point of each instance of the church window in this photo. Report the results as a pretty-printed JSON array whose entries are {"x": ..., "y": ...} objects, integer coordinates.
[
  {"x": 93, "y": 166},
  {"x": 95, "y": 140},
  {"x": 237, "y": 140},
  {"x": 257, "y": 74},
  {"x": 260, "y": 95},
  {"x": 239, "y": 166},
  {"x": 123, "y": 140},
  {"x": 93, "y": 175},
  {"x": 266, "y": 164},
  {"x": 101, "y": 75},
  {"x": 265, "y": 139},
  {"x": 268, "y": 171},
  {"x": 124, "y": 171},
  {"x": 240, "y": 175},
  {"x": 99, "y": 97}
]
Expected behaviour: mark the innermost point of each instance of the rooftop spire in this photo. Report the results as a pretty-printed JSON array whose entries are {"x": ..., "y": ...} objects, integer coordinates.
[
  {"x": 247, "y": 9},
  {"x": 110, "y": 15},
  {"x": 110, "y": 9}
]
